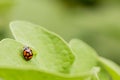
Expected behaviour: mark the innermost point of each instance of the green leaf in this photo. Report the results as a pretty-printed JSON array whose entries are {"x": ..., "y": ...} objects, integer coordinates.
[
  {"x": 111, "y": 67},
  {"x": 15, "y": 74},
  {"x": 14, "y": 67},
  {"x": 12, "y": 64},
  {"x": 11, "y": 56},
  {"x": 7, "y": 74},
  {"x": 94, "y": 73},
  {"x": 85, "y": 57},
  {"x": 103, "y": 74},
  {"x": 53, "y": 53}
]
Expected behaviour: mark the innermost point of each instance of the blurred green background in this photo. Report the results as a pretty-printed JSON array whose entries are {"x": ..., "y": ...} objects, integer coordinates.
[{"x": 97, "y": 22}]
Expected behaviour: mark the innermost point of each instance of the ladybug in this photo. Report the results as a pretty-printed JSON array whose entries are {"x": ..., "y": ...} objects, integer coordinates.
[{"x": 27, "y": 53}]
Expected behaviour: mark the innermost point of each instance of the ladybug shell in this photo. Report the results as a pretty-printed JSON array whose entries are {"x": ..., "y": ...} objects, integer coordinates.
[{"x": 27, "y": 53}]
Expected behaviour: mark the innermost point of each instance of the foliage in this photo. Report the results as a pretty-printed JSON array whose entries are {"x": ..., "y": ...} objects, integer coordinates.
[{"x": 53, "y": 58}]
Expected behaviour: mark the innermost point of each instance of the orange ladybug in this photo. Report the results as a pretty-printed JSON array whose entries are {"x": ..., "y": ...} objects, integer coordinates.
[{"x": 27, "y": 53}]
